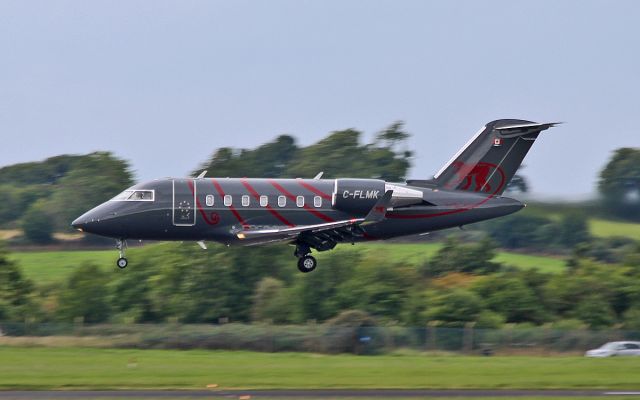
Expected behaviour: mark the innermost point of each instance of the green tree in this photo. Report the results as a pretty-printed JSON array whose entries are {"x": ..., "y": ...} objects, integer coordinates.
[
  {"x": 632, "y": 319},
  {"x": 595, "y": 311},
  {"x": 316, "y": 294},
  {"x": 270, "y": 160},
  {"x": 47, "y": 172},
  {"x": 454, "y": 308},
  {"x": 133, "y": 291},
  {"x": 37, "y": 224},
  {"x": 576, "y": 287},
  {"x": 204, "y": 291},
  {"x": 86, "y": 295},
  {"x": 381, "y": 289},
  {"x": 15, "y": 290},
  {"x": 574, "y": 229},
  {"x": 619, "y": 183},
  {"x": 94, "y": 179},
  {"x": 183, "y": 282},
  {"x": 9, "y": 203},
  {"x": 271, "y": 302},
  {"x": 510, "y": 297},
  {"x": 522, "y": 231},
  {"x": 393, "y": 135},
  {"x": 488, "y": 319},
  {"x": 339, "y": 154},
  {"x": 518, "y": 183},
  {"x": 473, "y": 258}
]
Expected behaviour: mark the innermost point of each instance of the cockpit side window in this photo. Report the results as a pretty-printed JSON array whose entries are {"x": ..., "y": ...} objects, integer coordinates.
[
  {"x": 123, "y": 196},
  {"x": 135, "y": 195}
]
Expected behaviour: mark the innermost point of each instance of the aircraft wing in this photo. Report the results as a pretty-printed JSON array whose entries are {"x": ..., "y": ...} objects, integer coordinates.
[{"x": 326, "y": 232}]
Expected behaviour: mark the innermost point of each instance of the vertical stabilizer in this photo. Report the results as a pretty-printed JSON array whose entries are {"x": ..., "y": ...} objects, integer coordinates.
[{"x": 489, "y": 160}]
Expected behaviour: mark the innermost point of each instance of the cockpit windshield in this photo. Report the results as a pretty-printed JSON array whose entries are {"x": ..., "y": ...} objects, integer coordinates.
[{"x": 135, "y": 195}]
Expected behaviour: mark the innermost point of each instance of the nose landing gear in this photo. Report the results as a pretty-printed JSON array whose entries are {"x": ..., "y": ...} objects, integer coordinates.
[{"x": 121, "y": 245}]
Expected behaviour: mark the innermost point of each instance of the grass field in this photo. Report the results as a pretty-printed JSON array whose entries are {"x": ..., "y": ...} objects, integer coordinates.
[
  {"x": 607, "y": 228},
  {"x": 419, "y": 253},
  {"x": 54, "y": 266},
  {"x": 57, "y": 368},
  {"x": 599, "y": 227}
]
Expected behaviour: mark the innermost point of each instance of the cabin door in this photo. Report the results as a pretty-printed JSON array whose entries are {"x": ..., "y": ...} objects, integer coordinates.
[{"x": 184, "y": 202}]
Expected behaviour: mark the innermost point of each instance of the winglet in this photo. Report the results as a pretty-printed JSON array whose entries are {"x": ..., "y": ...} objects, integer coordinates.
[{"x": 379, "y": 210}]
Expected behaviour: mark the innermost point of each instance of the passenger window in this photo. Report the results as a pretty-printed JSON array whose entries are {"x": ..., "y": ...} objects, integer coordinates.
[
  {"x": 209, "y": 200},
  {"x": 228, "y": 200},
  {"x": 264, "y": 201},
  {"x": 282, "y": 201},
  {"x": 317, "y": 201},
  {"x": 245, "y": 201},
  {"x": 300, "y": 201}
]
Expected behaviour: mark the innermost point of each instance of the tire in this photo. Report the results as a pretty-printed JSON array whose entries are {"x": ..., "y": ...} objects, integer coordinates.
[
  {"x": 122, "y": 263},
  {"x": 307, "y": 264}
]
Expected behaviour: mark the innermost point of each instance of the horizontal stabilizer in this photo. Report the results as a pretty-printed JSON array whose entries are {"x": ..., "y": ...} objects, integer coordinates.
[{"x": 524, "y": 129}]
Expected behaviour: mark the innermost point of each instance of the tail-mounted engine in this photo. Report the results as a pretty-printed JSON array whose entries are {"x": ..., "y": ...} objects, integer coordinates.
[{"x": 357, "y": 196}]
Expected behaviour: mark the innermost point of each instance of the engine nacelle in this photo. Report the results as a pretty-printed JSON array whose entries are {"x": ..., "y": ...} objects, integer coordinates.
[{"x": 357, "y": 196}]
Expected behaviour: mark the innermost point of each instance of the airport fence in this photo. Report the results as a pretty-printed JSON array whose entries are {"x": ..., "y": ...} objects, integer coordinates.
[{"x": 319, "y": 338}]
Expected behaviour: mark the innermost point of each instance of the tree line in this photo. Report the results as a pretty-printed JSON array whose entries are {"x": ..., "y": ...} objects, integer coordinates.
[
  {"x": 44, "y": 197},
  {"x": 462, "y": 283}
]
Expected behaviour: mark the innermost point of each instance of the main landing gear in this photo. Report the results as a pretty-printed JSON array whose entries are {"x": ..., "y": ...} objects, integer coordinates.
[
  {"x": 121, "y": 245},
  {"x": 306, "y": 262}
]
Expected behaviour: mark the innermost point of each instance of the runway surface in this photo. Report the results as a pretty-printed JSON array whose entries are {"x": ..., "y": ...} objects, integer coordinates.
[{"x": 320, "y": 393}]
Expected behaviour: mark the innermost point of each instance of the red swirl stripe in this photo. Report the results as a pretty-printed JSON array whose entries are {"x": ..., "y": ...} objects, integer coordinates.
[
  {"x": 273, "y": 212},
  {"x": 233, "y": 210},
  {"x": 314, "y": 190},
  {"x": 206, "y": 218},
  {"x": 306, "y": 207}
]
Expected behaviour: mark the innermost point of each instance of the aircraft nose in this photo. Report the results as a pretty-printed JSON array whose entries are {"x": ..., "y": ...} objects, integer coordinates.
[
  {"x": 79, "y": 223},
  {"x": 88, "y": 221},
  {"x": 102, "y": 220}
]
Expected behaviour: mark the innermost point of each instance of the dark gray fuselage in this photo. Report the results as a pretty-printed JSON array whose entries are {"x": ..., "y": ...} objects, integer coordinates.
[{"x": 195, "y": 208}]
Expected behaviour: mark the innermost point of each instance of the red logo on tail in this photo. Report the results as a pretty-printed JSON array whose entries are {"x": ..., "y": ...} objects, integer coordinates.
[{"x": 478, "y": 176}]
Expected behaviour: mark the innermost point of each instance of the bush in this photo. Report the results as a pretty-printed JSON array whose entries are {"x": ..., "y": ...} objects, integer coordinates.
[
  {"x": 86, "y": 296},
  {"x": 353, "y": 331},
  {"x": 454, "y": 256},
  {"x": 38, "y": 225}
]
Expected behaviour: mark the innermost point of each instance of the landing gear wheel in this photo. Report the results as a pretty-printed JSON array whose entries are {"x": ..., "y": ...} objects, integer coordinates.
[
  {"x": 121, "y": 245},
  {"x": 307, "y": 263},
  {"x": 122, "y": 263}
]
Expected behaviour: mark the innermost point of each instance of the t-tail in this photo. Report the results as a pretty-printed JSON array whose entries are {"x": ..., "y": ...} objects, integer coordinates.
[{"x": 488, "y": 162}]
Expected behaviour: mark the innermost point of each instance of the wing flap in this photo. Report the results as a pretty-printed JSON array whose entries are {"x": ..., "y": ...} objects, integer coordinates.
[{"x": 292, "y": 232}]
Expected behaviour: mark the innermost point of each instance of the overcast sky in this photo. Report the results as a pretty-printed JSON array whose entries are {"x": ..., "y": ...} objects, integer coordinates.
[{"x": 162, "y": 84}]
